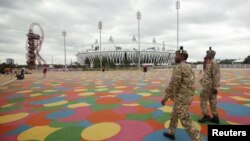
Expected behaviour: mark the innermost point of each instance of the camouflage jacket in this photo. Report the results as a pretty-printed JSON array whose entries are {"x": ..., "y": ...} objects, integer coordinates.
[
  {"x": 180, "y": 88},
  {"x": 211, "y": 76}
]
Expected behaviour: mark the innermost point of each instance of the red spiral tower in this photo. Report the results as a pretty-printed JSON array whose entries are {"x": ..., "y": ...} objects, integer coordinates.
[{"x": 33, "y": 46}]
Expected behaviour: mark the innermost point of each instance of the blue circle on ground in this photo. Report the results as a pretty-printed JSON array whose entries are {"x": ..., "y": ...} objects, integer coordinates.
[
  {"x": 180, "y": 135},
  {"x": 234, "y": 109},
  {"x": 84, "y": 123},
  {"x": 158, "y": 113},
  {"x": 60, "y": 114},
  {"x": 46, "y": 101},
  {"x": 18, "y": 130},
  {"x": 129, "y": 97},
  {"x": 153, "y": 105}
]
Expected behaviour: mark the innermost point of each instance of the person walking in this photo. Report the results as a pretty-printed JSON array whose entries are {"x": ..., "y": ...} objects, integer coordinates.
[
  {"x": 181, "y": 90},
  {"x": 44, "y": 71},
  {"x": 210, "y": 84}
]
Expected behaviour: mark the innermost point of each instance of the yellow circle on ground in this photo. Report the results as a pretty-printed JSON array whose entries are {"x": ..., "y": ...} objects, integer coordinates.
[
  {"x": 35, "y": 94},
  {"x": 101, "y": 131},
  {"x": 154, "y": 90},
  {"x": 99, "y": 83},
  {"x": 197, "y": 125},
  {"x": 240, "y": 98},
  {"x": 86, "y": 94},
  {"x": 116, "y": 91},
  {"x": 223, "y": 88},
  {"x": 49, "y": 91},
  {"x": 101, "y": 89},
  {"x": 247, "y": 105},
  {"x": 56, "y": 103},
  {"x": 166, "y": 109},
  {"x": 12, "y": 117},
  {"x": 80, "y": 90},
  {"x": 55, "y": 84},
  {"x": 233, "y": 123},
  {"x": 8, "y": 105},
  {"x": 121, "y": 87},
  {"x": 36, "y": 133},
  {"x": 78, "y": 105},
  {"x": 62, "y": 95},
  {"x": 144, "y": 94},
  {"x": 23, "y": 92},
  {"x": 101, "y": 86},
  {"x": 131, "y": 104}
]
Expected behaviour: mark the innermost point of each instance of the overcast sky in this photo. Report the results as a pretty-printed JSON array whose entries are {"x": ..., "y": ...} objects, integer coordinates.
[{"x": 222, "y": 24}]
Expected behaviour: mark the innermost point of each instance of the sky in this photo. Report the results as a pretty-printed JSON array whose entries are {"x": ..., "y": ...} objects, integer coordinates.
[{"x": 222, "y": 24}]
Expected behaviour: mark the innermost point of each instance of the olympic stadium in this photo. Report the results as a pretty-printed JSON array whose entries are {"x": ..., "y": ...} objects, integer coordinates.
[{"x": 119, "y": 53}]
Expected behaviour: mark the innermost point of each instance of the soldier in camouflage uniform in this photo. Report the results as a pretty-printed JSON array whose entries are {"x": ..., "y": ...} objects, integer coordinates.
[
  {"x": 210, "y": 83},
  {"x": 181, "y": 91}
]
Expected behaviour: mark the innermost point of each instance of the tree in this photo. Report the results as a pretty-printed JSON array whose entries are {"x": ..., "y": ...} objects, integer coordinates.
[
  {"x": 97, "y": 62},
  {"x": 227, "y": 61},
  {"x": 87, "y": 62},
  {"x": 247, "y": 60}
]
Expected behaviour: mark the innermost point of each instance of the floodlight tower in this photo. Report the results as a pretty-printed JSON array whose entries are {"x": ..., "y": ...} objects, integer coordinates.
[
  {"x": 100, "y": 28},
  {"x": 178, "y": 8},
  {"x": 64, "y": 34},
  {"x": 139, "y": 56}
]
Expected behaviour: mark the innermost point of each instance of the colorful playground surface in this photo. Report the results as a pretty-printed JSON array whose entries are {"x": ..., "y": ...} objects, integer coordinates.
[{"x": 108, "y": 106}]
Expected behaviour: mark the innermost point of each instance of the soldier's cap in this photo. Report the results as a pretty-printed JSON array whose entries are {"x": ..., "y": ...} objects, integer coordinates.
[
  {"x": 210, "y": 51},
  {"x": 181, "y": 51}
]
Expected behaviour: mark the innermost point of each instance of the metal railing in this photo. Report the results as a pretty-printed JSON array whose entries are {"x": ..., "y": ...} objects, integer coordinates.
[{"x": 134, "y": 68}]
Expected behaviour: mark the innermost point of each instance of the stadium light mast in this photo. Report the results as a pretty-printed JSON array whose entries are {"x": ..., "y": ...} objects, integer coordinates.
[
  {"x": 139, "y": 18},
  {"x": 64, "y": 34},
  {"x": 100, "y": 28},
  {"x": 178, "y": 8},
  {"x": 52, "y": 61}
]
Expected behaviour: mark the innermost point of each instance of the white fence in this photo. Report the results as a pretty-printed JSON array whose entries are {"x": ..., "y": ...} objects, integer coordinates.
[{"x": 222, "y": 66}]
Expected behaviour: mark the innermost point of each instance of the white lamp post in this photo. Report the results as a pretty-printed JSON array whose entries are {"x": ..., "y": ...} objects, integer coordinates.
[
  {"x": 177, "y": 8},
  {"x": 100, "y": 28},
  {"x": 139, "y": 18},
  {"x": 64, "y": 34}
]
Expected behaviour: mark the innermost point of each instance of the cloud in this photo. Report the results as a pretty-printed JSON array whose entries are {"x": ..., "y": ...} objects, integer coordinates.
[{"x": 223, "y": 24}]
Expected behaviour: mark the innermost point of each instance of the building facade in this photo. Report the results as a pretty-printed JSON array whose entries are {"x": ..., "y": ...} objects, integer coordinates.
[{"x": 119, "y": 53}]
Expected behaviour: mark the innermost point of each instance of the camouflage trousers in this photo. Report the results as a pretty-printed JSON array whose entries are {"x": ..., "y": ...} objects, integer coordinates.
[
  {"x": 208, "y": 96},
  {"x": 180, "y": 111}
]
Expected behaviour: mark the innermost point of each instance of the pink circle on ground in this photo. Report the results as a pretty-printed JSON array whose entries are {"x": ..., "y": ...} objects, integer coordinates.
[
  {"x": 132, "y": 130},
  {"x": 125, "y": 110},
  {"x": 8, "y": 138},
  {"x": 238, "y": 119}
]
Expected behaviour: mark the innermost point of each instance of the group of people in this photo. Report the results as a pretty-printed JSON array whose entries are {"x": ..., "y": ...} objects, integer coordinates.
[
  {"x": 181, "y": 90},
  {"x": 14, "y": 73},
  {"x": 7, "y": 72}
]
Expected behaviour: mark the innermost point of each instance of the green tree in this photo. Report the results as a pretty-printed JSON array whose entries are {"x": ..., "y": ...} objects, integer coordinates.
[
  {"x": 87, "y": 62},
  {"x": 96, "y": 62},
  {"x": 227, "y": 61},
  {"x": 247, "y": 60}
]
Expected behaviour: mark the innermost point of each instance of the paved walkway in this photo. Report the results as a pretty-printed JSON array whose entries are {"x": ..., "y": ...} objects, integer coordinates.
[{"x": 110, "y": 106}]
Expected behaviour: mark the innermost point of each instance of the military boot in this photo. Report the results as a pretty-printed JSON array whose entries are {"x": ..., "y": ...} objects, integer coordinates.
[
  {"x": 215, "y": 119},
  {"x": 170, "y": 136},
  {"x": 204, "y": 119}
]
